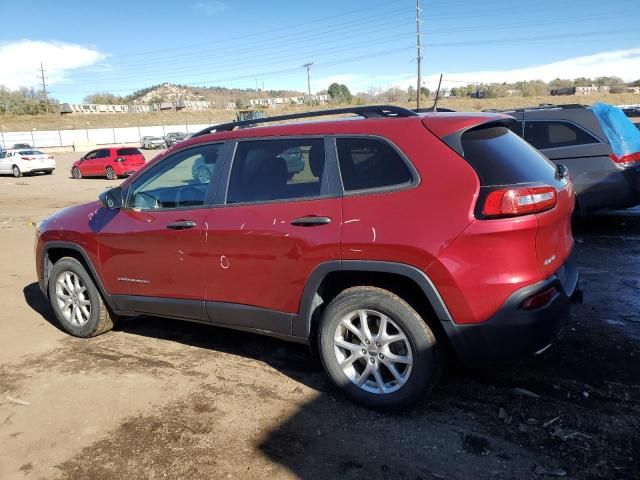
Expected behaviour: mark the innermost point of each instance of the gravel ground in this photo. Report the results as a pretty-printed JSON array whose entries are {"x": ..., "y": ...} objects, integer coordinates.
[{"x": 161, "y": 398}]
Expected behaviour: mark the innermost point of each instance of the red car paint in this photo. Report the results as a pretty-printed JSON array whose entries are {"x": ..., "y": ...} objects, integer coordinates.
[
  {"x": 252, "y": 255},
  {"x": 123, "y": 160}
]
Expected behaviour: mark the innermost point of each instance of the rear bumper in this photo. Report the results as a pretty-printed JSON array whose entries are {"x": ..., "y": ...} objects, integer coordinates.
[
  {"x": 124, "y": 170},
  {"x": 610, "y": 189},
  {"x": 513, "y": 332},
  {"x": 27, "y": 167}
]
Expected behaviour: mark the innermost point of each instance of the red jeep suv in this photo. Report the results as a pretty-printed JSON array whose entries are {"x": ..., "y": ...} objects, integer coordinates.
[
  {"x": 401, "y": 235},
  {"x": 108, "y": 162}
]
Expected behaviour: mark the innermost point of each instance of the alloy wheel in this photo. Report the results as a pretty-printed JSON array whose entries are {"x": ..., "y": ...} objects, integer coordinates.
[
  {"x": 373, "y": 351},
  {"x": 72, "y": 298}
]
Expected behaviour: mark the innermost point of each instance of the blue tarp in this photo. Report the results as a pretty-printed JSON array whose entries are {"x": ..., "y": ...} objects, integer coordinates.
[{"x": 623, "y": 135}]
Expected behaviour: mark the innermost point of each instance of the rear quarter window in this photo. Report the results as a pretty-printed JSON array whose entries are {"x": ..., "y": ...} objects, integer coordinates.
[
  {"x": 555, "y": 134},
  {"x": 370, "y": 163},
  {"x": 500, "y": 157}
]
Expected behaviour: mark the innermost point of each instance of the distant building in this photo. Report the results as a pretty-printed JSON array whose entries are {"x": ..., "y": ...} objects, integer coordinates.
[
  {"x": 633, "y": 89},
  {"x": 66, "y": 108},
  {"x": 275, "y": 102},
  {"x": 70, "y": 108},
  {"x": 563, "y": 91},
  {"x": 586, "y": 90}
]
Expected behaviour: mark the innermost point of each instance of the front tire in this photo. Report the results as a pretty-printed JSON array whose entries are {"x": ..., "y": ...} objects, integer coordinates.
[
  {"x": 377, "y": 349},
  {"x": 111, "y": 174},
  {"x": 15, "y": 170},
  {"x": 75, "y": 173},
  {"x": 48, "y": 172},
  {"x": 76, "y": 301}
]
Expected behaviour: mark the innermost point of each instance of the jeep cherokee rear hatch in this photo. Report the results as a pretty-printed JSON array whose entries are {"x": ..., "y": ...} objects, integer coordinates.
[{"x": 515, "y": 181}]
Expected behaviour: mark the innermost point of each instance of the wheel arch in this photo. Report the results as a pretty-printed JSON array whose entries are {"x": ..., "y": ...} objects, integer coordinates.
[
  {"x": 54, "y": 251},
  {"x": 330, "y": 278}
]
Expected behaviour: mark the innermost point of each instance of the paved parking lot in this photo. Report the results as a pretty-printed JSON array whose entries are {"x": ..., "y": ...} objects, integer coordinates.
[{"x": 160, "y": 398}]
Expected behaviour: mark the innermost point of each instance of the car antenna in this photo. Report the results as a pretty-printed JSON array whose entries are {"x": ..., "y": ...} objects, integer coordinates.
[{"x": 435, "y": 102}]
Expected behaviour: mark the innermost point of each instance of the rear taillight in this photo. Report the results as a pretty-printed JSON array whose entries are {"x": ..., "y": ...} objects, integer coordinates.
[
  {"x": 120, "y": 159},
  {"x": 27, "y": 158},
  {"x": 625, "y": 161},
  {"x": 516, "y": 201},
  {"x": 540, "y": 299}
]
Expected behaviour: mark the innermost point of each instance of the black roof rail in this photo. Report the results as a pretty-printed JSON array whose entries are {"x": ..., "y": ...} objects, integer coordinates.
[
  {"x": 372, "y": 111},
  {"x": 430, "y": 109},
  {"x": 542, "y": 106}
]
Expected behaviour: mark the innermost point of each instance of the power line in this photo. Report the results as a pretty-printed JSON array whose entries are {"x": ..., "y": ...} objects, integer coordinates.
[
  {"x": 348, "y": 29},
  {"x": 300, "y": 55},
  {"x": 510, "y": 41},
  {"x": 281, "y": 71},
  {"x": 283, "y": 27},
  {"x": 223, "y": 59}
]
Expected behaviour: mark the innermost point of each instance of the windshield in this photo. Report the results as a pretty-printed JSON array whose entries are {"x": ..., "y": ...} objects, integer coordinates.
[
  {"x": 128, "y": 151},
  {"x": 30, "y": 152}
]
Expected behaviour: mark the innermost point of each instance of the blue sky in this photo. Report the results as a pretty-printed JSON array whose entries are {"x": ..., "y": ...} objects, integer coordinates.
[{"x": 118, "y": 46}]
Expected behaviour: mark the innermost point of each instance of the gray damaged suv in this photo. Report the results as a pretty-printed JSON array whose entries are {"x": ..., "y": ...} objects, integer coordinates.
[{"x": 573, "y": 135}]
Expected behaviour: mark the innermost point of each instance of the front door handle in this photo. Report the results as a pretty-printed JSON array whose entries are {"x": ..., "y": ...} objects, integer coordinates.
[
  {"x": 181, "y": 225},
  {"x": 310, "y": 221}
]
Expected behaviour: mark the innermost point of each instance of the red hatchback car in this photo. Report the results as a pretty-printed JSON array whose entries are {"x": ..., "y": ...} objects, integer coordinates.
[
  {"x": 108, "y": 162},
  {"x": 403, "y": 237}
]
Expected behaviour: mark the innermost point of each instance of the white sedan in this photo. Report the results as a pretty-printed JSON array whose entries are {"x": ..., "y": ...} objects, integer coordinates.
[{"x": 19, "y": 162}]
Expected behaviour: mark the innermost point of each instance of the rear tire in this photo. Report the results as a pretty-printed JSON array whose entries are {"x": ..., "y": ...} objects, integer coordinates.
[
  {"x": 400, "y": 364},
  {"x": 111, "y": 174},
  {"x": 76, "y": 173},
  {"x": 76, "y": 301},
  {"x": 15, "y": 170},
  {"x": 48, "y": 172}
]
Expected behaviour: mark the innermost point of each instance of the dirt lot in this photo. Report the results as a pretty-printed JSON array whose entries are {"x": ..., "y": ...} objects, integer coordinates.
[{"x": 166, "y": 399}]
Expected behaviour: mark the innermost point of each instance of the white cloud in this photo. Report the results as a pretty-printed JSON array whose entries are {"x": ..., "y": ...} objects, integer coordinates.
[
  {"x": 621, "y": 63},
  {"x": 209, "y": 7},
  {"x": 20, "y": 61}
]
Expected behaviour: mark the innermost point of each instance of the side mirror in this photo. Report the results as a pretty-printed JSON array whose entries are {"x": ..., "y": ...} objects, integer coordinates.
[{"x": 112, "y": 198}]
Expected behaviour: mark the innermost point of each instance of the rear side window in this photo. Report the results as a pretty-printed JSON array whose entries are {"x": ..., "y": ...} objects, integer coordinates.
[
  {"x": 500, "y": 157},
  {"x": 367, "y": 163},
  {"x": 268, "y": 170},
  {"x": 123, "y": 152},
  {"x": 545, "y": 134},
  {"x": 103, "y": 153}
]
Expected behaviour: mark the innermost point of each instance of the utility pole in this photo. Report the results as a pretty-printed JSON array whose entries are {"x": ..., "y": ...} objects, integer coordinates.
[
  {"x": 44, "y": 89},
  {"x": 419, "y": 51},
  {"x": 308, "y": 67}
]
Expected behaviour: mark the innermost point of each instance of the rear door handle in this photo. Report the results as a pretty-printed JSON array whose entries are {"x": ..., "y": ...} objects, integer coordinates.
[
  {"x": 310, "y": 221},
  {"x": 181, "y": 225}
]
